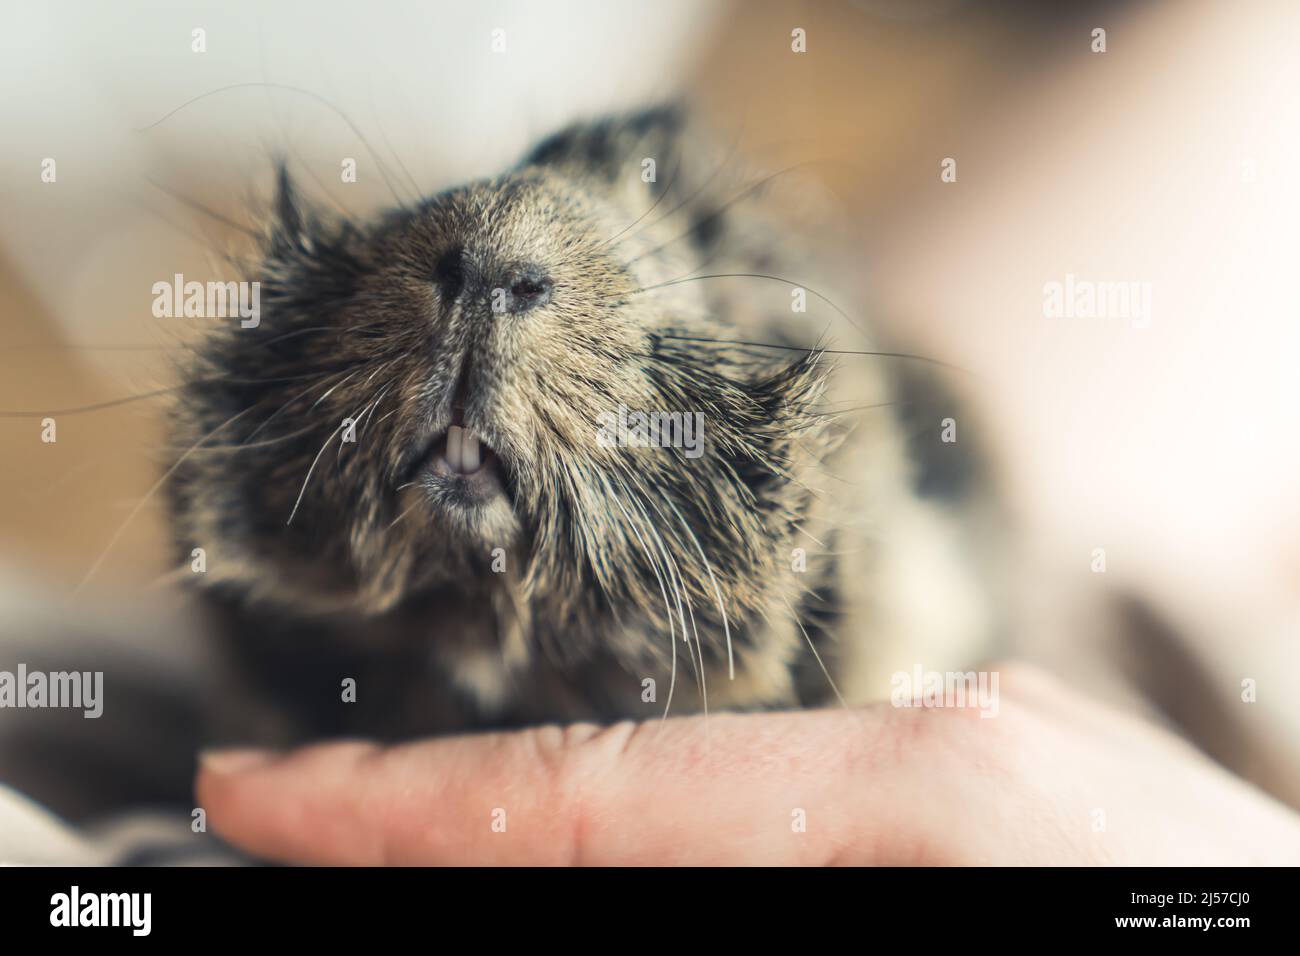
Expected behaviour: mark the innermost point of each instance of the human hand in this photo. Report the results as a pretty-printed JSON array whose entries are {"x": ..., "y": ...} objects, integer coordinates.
[{"x": 1052, "y": 779}]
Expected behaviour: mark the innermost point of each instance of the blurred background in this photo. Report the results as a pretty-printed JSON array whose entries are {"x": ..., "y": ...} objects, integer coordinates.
[{"x": 1168, "y": 159}]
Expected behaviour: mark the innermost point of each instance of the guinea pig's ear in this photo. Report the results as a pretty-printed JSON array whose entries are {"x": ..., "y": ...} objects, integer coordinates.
[
  {"x": 286, "y": 232},
  {"x": 616, "y": 148},
  {"x": 302, "y": 245},
  {"x": 786, "y": 427}
]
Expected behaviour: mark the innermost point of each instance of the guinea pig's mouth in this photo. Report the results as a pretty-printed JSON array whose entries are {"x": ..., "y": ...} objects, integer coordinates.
[
  {"x": 460, "y": 453},
  {"x": 456, "y": 466}
]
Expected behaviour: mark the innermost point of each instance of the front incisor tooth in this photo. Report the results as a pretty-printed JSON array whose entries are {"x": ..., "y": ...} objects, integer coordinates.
[
  {"x": 454, "y": 447},
  {"x": 469, "y": 458}
]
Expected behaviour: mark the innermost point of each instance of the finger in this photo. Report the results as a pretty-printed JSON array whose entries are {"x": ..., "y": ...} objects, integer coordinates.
[{"x": 757, "y": 789}]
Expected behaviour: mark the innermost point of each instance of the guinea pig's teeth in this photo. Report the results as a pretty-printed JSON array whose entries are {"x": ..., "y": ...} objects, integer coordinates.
[
  {"x": 469, "y": 457},
  {"x": 454, "y": 446}
]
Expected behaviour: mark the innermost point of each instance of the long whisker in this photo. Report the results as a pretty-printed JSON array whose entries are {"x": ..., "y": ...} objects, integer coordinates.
[
  {"x": 270, "y": 418},
  {"x": 699, "y": 647},
  {"x": 717, "y": 591},
  {"x": 819, "y": 350},
  {"x": 812, "y": 647},
  {"x": 755, "y": 275},
  {"x": 303, "y": 490},
  {"x": 247, "y": 446},
  {"x": 97, "y": 406},
  {"x": 654, "y": 565},
  {"x": 88, "y": 347},
  {"x": 744, "y": 194},
  {"x": 150, "y": 493},
  {"x": 724, "y": 163},
  {"x": 675, "y": 579},
  {"x": 383, "y": 171},
  {"x": 361, "y": 420},
  {"x": 199, "y": 207},
  {"x": 384, "y": 136},
  {"x": 672, "y": 182},
  {"x": 403, "y": 514},
  {"x": 284, "y": 133},
  {"x": 111, "y": 403}
]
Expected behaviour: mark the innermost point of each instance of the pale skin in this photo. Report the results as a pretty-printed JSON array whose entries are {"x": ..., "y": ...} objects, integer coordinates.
[{"x": 1054, "y": 778}]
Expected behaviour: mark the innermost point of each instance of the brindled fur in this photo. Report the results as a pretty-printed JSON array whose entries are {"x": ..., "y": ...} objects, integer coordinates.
[{"x": 792, "y": 560}]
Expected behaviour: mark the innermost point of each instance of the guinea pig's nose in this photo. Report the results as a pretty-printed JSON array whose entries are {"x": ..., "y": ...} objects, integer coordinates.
[
  {"x": 521, "y": 289},
  {"x": 449, "y": 273}
]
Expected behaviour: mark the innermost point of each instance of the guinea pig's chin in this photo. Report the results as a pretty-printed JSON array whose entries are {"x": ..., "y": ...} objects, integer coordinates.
[{"x": 473, "y": 507}]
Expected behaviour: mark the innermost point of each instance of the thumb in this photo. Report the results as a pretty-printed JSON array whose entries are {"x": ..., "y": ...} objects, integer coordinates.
[{"x": 754, "y": 789}]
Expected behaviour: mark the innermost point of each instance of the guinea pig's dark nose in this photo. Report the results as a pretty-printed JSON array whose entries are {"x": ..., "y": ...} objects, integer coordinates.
[
  {"x": 522, "y": 289},
  {"x": 449, "y": 273}
]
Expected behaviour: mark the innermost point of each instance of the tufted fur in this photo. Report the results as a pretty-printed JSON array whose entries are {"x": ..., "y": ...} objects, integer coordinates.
[{"x": 600, "y": 567}]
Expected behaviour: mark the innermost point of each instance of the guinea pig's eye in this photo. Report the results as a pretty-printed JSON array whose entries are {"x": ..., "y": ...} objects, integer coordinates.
[{"x": 529, "y": 290}]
